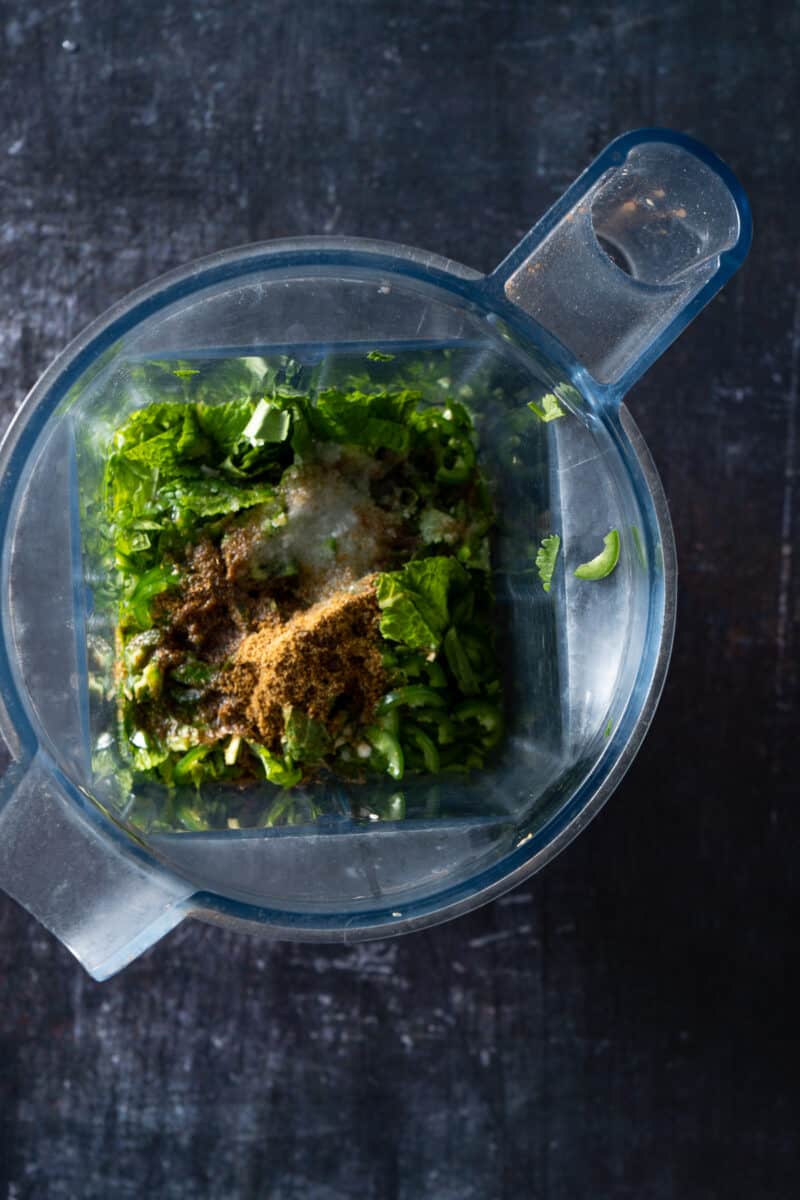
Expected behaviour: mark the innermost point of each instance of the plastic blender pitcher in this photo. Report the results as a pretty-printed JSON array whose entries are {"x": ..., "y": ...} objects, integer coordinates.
[{"x": 586, "y": 301}]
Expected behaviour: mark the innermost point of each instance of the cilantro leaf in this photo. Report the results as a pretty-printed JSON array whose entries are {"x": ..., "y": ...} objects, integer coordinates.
[
  {"x": 546, "y": 557},
  {"x": 549, "y": 410}
]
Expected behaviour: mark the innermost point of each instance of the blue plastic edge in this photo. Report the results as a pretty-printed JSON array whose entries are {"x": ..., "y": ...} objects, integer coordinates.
[{"x": 613, "y": 156}]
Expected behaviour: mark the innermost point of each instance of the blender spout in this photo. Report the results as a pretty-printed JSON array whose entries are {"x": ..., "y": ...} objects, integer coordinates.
[
  {"x": 106, "y": 905},
  {"x": 631, "y": 252}
]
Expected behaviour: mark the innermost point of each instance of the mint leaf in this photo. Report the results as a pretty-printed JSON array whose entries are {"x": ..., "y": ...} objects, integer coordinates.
[
  {"x": 210, "y": 496},
  {"x": 192, "y": 443},
  {"x": 225, "y": 423},
  {"x": 546, "y": 557},
  {"x": 416, "y": 601},
  {"x": 375, "y": 421}
]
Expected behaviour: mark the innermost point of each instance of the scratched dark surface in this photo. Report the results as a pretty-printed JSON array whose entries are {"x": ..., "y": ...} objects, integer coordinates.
[{"x": 622, "y": 1026}]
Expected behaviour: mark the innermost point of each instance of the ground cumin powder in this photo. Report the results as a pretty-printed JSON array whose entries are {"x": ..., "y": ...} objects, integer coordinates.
[{"x": 324, "y": 659}]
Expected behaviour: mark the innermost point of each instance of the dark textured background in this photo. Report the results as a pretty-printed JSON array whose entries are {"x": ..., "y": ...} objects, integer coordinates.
[{"x": 622, "y": 1026}]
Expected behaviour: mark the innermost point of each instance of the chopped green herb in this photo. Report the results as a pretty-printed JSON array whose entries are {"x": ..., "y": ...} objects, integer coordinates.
[
  {"x": 416, "y": 601},
  {"x": 267, "y": 424},
  {"x": 202, "y": 486},
  {"x": 549, "y": 410},
  {"x": 546, "y": 557},
  {"x": 149, "y": 585},
  {"x": 604, "y": 563}
]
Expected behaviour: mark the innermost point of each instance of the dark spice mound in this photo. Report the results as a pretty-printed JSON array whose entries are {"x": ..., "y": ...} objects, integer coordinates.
[
  {"x": 324, "y": 660},
  {"x": 202, "y": 616}
]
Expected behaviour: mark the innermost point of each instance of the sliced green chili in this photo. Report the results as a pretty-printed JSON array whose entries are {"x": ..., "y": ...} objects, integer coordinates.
[
  {"x": 603, "y": 563},
  {"x": 396, "y": 807},
  {"x": 150, "y": 683},
  {"x": 459, "y": 663},
  {"x": 435, "y": 673},
  {"x": 488, "y": 717},
  {"x": 183, "y": 767},
  {"x": 414, "y": 695},
  {"x": 445, "y": 726},
  {"x": 189, "y": 817},
  {"x": 387, "y": 745},
  {"x": 423, "y": 743},
  {"x": 390, "y": 721}
]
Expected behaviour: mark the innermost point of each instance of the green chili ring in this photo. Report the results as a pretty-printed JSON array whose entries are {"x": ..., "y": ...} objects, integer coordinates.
[
  {"x": 420, "y": 739},
  {"x": 416, "y": 664},
  {"x": 413, "y": 695},
  {"x": 445, "y": 726},
  {"x": 387, "y": 745},
  {"x": 488, "y": 717},
  {"x": 185, "y": 765}
]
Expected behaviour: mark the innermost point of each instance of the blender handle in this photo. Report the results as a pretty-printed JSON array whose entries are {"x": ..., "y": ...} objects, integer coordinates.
[
  {"x": 105, "y": 904},
  {"x": 630, "y": 253}
]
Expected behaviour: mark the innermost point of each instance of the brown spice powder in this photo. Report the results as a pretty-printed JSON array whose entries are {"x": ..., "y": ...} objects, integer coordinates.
[
  {"x": 325, "y": 654},
  {"x": 203, "y": 614}
]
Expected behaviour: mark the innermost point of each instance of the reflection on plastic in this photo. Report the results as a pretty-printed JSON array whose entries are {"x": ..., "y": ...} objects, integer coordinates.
[{"x": 97, "y": 898}]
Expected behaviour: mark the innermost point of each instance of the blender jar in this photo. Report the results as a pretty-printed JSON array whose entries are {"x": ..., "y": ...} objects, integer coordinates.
[{"x": 577, "y": 311}]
